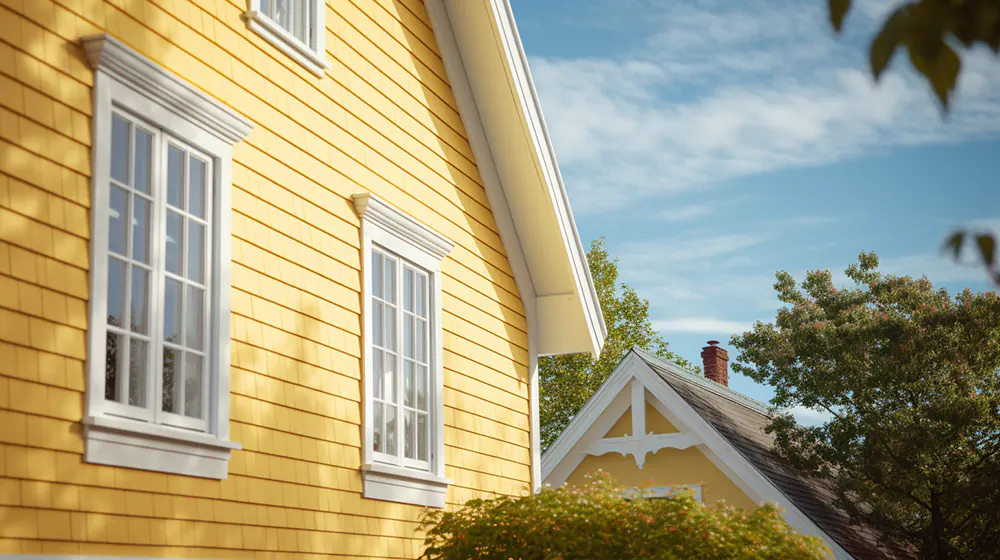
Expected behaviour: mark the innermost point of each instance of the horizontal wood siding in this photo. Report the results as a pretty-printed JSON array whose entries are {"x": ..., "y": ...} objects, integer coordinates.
[{"x": 383, "y": 119}]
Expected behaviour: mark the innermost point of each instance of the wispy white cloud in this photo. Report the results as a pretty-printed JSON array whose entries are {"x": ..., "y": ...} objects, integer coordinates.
[
  {"x": 685, "y": 213},
  {"x": 810, "y": 416},
  {"x": 702, "y": 325},
  {"x": 723, "y": 89}
]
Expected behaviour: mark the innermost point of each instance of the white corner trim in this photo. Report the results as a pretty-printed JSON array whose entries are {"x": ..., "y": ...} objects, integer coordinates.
[
  {"x": 407, "y": 486},
  {"x": 313, "y": 60},
  {"x": 129, "y": 443},
  {"x": 110, "y": 56},
  {"x": 640, "y": 446},
  {"x": 372, "y": 208}
]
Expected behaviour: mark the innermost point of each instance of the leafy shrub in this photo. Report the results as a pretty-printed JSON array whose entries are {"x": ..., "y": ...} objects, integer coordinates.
[{"x": 594, "y": 521}]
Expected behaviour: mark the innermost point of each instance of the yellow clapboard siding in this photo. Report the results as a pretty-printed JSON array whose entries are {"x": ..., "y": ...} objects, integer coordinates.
[{"x": 383, "y": 120}]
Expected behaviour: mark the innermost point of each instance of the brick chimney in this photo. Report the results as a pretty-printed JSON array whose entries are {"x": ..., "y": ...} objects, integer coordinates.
[{"x": 716, "y": 363}]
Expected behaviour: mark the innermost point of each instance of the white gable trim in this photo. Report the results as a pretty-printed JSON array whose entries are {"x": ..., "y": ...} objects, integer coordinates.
[
  {"x": 493, "y": 186},
  {"x": 565, "y": 455},
  {"x": 487, "y": 69}
]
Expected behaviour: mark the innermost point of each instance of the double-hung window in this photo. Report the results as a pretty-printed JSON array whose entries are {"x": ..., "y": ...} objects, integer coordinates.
[
  {"x": 404, "y": 422},
  {"x": 296, "y": 27},
  {"x": 158, "y": 388}
]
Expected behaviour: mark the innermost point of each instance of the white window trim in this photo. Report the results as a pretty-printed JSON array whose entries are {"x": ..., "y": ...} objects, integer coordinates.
[
  {"x": 663, "y": 491},
  {"x": 389, "y": 228},
  {"x": 129, "y": 81},
  {"x": 313, "y": 58}
]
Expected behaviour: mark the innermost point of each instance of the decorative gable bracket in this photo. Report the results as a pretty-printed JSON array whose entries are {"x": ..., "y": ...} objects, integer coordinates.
[{"x": 640, "y": 445}]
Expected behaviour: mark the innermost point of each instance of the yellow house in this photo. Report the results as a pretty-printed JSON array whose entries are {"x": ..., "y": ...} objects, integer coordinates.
[
  {"x": 655, "y": 428},
  {"x": 274, "y": 274}
]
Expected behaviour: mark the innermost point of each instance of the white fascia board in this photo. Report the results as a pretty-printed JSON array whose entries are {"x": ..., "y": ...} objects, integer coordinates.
[{"x": 483, "y": 56}]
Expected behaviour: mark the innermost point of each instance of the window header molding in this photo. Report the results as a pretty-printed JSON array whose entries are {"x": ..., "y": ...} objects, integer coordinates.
[
  {"x": 111, "y": 56},
  {"x": 376, "y": 210}
]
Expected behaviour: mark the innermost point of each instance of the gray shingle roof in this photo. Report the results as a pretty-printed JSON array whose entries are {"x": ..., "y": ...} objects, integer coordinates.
[{"x": 742, "y": 424}]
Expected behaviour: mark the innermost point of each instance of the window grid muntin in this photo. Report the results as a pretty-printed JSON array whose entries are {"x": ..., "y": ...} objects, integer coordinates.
[
  {"x": 399, "y": 457},
  {"x": 307, "y": 21},
  {"x": 156, "y": 270}
]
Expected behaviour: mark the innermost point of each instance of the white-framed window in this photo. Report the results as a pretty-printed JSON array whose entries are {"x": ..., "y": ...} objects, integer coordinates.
[
  {"x": 158, "y": 371},
  {"x": 658, "y": 492},
  {"x": 403, "y": 378},
  {"x": 295, "y": 27}
]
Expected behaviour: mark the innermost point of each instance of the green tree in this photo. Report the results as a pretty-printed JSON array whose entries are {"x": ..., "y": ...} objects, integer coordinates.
[
  {"x": 910, "y": 376},
  {"x": 594, "y": 520},
  {"x": 931, "y": 31},
  {"x": 567, "y": 382}
]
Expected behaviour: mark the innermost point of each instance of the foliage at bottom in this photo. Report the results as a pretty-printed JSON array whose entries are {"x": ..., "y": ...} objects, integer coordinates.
[{"x": 596, "y": 520}]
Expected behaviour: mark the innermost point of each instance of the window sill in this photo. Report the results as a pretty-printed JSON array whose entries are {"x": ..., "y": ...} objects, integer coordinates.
[
  {"x": 285, "y": 42},
  {"x": 407, "y": 486},
  {"x": 129, "y": 443}
]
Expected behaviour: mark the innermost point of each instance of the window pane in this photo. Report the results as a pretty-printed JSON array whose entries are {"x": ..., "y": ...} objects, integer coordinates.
[
  {"x": 422, "y": 388},
  {"x": 301, "y": 18},
  {"x": 114, "y": 354},
  {"x": 171, "y": 374},
  {"x": 196, "y": 187},
  {"x": 282, "y": 12},
  {"x": 408, "y": 289},
  {"x": 422, "y": 295},
  {"x": 137, "y": 373},
  {"x": 192, "y": 385},
  {"x": 196, "y": 251},
  {"x": 139, "y": 314},
  {"x": 143, "y": 159},
  {"x": 172, "y": 311},
  {"x": 390, "y": 328},
  {"x": 377, "y": 315},
  {"x": 422, "y": 437},
  {"x": 116, "y": 292},
  {"x": 389, "y": 377},
  {"x": 175, "y": 177},
  {"x": 377, "y": 267},
  {"x": 390, "y": 430},
  {"x": 420, "y": 340},
  {"x": 120, "y": 149},
  {"x": 377, "y": 373},
  {"x": 175, "y": 242},
  {"x": 195, "y": 318},
  {"x": 377, "y": 426},
  {"x": 407, "y": 382},
  {"x": 117, "y": 220},
  {"x": 408, "y": 336},
  {"x": 409, "y": 425},
  {"x": 390, "y": 281},
  {"x": 140, "y": 229}
]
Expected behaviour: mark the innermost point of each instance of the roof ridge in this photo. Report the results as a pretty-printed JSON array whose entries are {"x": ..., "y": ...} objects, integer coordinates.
[{"x": 721, "y": 390}]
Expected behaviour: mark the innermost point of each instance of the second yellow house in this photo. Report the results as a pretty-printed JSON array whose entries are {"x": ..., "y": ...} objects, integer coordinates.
[{"x": 274, "y": 274}]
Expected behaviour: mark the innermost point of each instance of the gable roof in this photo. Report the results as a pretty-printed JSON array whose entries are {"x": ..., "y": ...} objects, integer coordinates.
[
  {"x": 743, "y": 426},
  {"x": 730, "y": 427},
  {"x": 496, "y": 97}
]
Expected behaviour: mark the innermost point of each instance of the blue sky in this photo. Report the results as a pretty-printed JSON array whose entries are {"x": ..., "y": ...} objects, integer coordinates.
[{"x": 715, "y": 142}]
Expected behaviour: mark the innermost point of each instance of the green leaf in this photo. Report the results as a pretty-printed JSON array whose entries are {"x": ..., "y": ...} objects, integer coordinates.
[
  {"x": 838, "y": 9},
  {"x": 887, "y": 41},
  {"x": 954, "y": 243},
  {"x": 987, "y": 248},
  {"x": 940, "y": 68}
]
